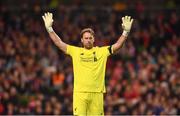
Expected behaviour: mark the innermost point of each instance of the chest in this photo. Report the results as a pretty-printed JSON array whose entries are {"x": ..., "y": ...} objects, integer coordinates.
[{"x": 92, "y": 56}]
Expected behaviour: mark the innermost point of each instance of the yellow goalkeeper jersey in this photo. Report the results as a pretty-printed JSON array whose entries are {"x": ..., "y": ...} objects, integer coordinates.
[{"x": 89, "y": 67}]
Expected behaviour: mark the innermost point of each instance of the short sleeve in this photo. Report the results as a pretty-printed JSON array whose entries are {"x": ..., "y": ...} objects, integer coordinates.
[
  {"x": 106, "y": 50},
  {"x": 71, "y": 50}
]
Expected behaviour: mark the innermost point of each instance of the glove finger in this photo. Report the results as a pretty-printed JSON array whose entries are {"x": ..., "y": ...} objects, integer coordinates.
[
  {"x": 45, "y": 15},
  {"x": 43, "y": 18},
  {"x": 51, "y": 16},
  {"x": 129, "y": 18},
  {"x": 123, "y": 19},
  {"x": 132, "y": 21},
  {"x": 126, "y": 17},
  {"x": 122, "y": 25},
  {"x": 48, "y": 14}
]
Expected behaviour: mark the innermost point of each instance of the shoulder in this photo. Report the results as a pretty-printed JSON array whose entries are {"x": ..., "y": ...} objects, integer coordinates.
[
  {"x": 74, "y": 47},
  {"x": 72, "y": 50},
  {"x": 105, "y": 49}
]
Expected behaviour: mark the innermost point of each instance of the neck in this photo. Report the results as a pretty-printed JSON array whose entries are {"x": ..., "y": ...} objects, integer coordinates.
[{"x": 88, "y": 48}]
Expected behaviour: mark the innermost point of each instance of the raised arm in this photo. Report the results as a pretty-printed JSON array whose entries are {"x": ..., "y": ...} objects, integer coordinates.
[
  {"x": 126, "y": 25},
  {"x": 48, "y": 21}
]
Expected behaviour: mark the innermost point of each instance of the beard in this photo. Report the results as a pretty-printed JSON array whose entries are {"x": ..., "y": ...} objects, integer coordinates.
[{"x": 88, "y": 46}]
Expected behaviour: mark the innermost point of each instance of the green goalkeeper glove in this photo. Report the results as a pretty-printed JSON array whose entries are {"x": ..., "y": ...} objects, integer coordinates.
[
  {"x": 126, "y": 25},
  {"x": 48, "y": 21}
]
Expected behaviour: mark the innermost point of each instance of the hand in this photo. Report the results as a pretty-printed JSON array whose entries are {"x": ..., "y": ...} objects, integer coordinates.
[
  {"x": 127, "y": 23},
  {"x": 48, "y": 21}
]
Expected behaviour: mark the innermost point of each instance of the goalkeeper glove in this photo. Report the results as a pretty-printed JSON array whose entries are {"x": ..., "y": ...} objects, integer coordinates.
[
  {"x": 48, "y": 21},
  {"x": 126, "y": 25}
]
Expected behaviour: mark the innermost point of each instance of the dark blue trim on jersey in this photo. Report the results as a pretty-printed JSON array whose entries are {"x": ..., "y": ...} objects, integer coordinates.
[{"x": 110, "y": 50}]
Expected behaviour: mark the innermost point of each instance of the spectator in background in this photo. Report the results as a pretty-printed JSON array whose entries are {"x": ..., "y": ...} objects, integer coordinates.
[{"x": 148, "y": 63}]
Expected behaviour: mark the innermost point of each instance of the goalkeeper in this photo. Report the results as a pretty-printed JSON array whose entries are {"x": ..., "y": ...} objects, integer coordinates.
[{"x": 89, "y": 65}]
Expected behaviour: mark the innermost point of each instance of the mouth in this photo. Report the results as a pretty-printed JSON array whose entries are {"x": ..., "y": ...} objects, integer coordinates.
[{"x": 88, "y": 45}]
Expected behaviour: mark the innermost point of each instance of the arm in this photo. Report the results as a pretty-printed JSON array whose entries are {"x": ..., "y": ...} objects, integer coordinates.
[
  {"x": 58, "y": 42},
  {"x": 48, "y": 21},
  {"x": 126, "y": 24}
]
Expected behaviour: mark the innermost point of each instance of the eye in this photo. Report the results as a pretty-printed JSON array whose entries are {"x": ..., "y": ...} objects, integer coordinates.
[{"x": 88, "y": 38}]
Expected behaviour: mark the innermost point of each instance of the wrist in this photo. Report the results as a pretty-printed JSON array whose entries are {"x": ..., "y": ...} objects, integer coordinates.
[
  {"x": 125, "y": 33},
  {"x": 49, "y": 29}
]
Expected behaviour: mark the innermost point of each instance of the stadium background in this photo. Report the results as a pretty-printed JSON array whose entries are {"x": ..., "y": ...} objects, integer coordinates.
[{"x": 142, "y": 78}]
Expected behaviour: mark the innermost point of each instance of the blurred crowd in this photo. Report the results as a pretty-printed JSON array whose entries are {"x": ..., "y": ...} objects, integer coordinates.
[{"x": 141, "y": 78}]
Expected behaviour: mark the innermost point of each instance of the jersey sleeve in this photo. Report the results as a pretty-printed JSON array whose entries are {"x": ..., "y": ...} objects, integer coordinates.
[
  {"x": 71, "y": 50},
  {"x": 106, "y": 50}
]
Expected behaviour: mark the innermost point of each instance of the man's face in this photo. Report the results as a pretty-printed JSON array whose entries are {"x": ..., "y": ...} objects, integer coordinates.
[{"x": 87, "y": 40}]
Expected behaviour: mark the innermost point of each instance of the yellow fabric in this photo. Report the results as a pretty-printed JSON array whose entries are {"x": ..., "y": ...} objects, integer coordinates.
[
  {"x": 88, "y": 103},
  {"x": 89, "y": 68}
]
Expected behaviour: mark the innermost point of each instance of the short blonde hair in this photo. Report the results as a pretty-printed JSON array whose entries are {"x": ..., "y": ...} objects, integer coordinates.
[{"x": 87, "y": 30}]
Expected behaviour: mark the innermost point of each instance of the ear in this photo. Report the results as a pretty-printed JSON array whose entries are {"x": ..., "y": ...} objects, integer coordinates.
[
  {"x": 93, "y": 39},
  {"x": 81, "y": 40}
]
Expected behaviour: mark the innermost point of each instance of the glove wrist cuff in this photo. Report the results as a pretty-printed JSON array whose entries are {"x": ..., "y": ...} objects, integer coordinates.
[
  {"x": 125, "y": 33},
  {"x": 49, "y": 29}
]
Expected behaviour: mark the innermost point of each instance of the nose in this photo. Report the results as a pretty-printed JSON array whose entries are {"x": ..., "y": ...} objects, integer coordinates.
[
  {"x": 89, "y": 42},
  {"x": 88, "y": 39}
]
